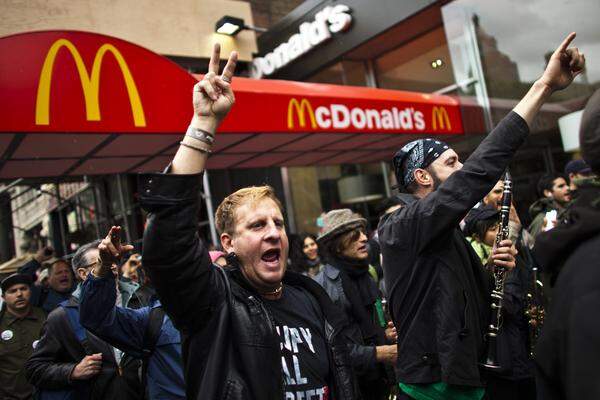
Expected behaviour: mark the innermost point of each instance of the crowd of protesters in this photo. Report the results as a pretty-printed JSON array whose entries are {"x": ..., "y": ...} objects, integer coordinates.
[{"x": 400, "y": 312}]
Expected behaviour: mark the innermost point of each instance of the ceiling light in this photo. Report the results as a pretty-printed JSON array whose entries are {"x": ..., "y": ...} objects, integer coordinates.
[{"x": 437, "y": 63}]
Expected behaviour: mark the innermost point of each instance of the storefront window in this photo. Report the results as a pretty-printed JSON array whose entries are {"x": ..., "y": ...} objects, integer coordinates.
[
  {"x": 422, "y": 65},
  {"x": 352, "y": 73},
  {"x": 359, "y": 187}
]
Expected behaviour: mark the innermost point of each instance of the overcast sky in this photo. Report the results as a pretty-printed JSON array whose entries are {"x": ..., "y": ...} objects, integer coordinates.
[{"x": 526, "y": 29}]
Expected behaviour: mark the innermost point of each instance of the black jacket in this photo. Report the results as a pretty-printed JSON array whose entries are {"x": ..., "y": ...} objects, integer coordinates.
[
  {"x": 230, "y": 347},
  {"x": 513, "y": 339},
  {"x": 59, "y": 351},
  {"x": 568, "y": 349},
  {"x": 362, "y": 356},
  {"x": 374, "y": 378},
  {"x": 437, "y": 291}
]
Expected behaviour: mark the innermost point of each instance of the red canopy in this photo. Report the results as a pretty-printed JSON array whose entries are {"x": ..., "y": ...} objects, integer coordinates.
[{"x": 78, "y": 103}]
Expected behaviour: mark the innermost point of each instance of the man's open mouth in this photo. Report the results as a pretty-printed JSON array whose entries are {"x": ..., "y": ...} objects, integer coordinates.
[{"x": 271, "y": 256}]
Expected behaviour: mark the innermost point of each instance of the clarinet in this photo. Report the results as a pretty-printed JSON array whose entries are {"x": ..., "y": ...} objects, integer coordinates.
[{"x": 499, "y": 273}]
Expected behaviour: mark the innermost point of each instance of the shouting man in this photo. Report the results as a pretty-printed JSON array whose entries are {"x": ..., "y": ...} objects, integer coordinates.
[{"x": 250, "y": 330}]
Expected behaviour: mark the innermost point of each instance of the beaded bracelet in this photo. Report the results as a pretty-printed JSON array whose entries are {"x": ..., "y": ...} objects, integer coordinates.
[{"x": 200, "y": 149}]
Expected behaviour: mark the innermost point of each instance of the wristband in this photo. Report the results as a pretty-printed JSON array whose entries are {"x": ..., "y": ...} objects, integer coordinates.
[
  {"x": 200, "y": 149},
  {"x": 201, "y": 135}
]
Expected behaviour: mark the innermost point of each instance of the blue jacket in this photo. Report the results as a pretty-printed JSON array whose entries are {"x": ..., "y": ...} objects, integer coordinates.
[{"x": 125, "y": 328}]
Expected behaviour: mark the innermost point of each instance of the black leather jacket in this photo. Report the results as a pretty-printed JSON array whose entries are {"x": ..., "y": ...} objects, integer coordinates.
[
  {"x": 230, "y": 347},
  {"x": 437, "y": 289}
]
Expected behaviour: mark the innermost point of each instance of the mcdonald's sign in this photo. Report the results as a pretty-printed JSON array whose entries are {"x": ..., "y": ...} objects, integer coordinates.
[
  {"x": 90, "y": 83},
  {"x": 439, "y": 117},
  {"x": 301, "y": 108}
]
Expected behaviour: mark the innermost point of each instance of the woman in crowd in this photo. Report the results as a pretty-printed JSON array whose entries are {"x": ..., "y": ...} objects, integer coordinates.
[
  {"x": 304, "y": 255},
  {"x": 347, "y": 280}
]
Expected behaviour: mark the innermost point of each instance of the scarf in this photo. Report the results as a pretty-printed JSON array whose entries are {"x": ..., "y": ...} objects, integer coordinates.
[
  {"x": 313, "y": 263},
  {"x": 361, "y": 291}
]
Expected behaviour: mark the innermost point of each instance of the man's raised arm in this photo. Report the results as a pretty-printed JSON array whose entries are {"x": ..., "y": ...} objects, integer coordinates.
[
  {"x": 176, "y": 259},
  {"x": 445, "y": 207},
  {"x": 564, "y": 65},
  {"x": 213, "y": 98}
]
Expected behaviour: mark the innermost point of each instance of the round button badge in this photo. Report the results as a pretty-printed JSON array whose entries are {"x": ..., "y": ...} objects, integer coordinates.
[{"x": 7, "y": 335}]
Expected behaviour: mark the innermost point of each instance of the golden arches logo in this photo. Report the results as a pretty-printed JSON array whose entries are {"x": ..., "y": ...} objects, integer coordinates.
[
  {"x": 439, "y": 116},
  {"x": 89, "y": 83},
  {"x": 302, "y": 107}
]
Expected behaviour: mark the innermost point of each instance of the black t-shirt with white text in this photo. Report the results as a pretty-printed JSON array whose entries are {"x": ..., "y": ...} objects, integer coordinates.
[{"x": 304, "y": 357}]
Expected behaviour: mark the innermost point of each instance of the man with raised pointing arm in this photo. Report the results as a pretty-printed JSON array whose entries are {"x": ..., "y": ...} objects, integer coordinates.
[
  {"x": 438, "y": 290},
  {"x": 250, "y": 330}
]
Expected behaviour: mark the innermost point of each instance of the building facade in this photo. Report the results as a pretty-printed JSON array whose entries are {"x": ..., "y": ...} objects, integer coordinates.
[{"x": 476, "y": 51}]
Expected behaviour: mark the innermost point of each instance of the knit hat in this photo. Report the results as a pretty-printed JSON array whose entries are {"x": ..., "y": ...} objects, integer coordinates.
[
  {"x": 589, "y": 132},
  {"x": 337, "y": 222},
  {"x": 479, "y": 214},
  {"x": 216, "y": 254},
  {"x": 577, "y": 167},
  {"x": 13, "y": 280}
]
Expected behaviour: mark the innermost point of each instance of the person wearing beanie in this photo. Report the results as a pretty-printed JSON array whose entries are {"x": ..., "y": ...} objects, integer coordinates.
[
  {"x": 20, "y": 325},
  {"x": 438, "y": 292},
  {"x": 481, "y": 226},
  {"x": 576, "y": 170},
  {"x": 516, "y": 381},
  {"x": 568, "y": 349},
  {"x": 346, "y": 279}
]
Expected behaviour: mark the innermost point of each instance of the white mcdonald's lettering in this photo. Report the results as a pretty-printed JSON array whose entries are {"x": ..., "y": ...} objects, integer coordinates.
[
  {"x": 340, "y": 116},
  {"x": 323, "y": 114}
]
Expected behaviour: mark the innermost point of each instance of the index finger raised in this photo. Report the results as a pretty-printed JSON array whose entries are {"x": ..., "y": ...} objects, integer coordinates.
[
  {"x": 229, "y": 69},
  {"x": 563, "y": 46},
  {"x": 110, "y": 232}
]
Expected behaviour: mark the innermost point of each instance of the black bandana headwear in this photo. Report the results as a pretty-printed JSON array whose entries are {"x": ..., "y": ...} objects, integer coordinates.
[{"x": 418, "y": 154}]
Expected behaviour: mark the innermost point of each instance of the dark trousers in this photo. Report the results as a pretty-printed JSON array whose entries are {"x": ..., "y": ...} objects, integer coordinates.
[{"x": 506, "y": 389}]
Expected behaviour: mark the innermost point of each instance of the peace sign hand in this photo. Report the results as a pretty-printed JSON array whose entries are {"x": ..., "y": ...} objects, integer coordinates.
[
  {"x": 564, "y": 65},
  {"x": 213, "y": 97}
]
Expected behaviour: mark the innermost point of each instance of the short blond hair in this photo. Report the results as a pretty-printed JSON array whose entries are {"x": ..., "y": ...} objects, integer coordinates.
[{"x": 225, "y": 215}]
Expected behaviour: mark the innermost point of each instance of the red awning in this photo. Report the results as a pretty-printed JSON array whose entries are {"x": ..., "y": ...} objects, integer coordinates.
[{"x": 77, "y": 103}]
